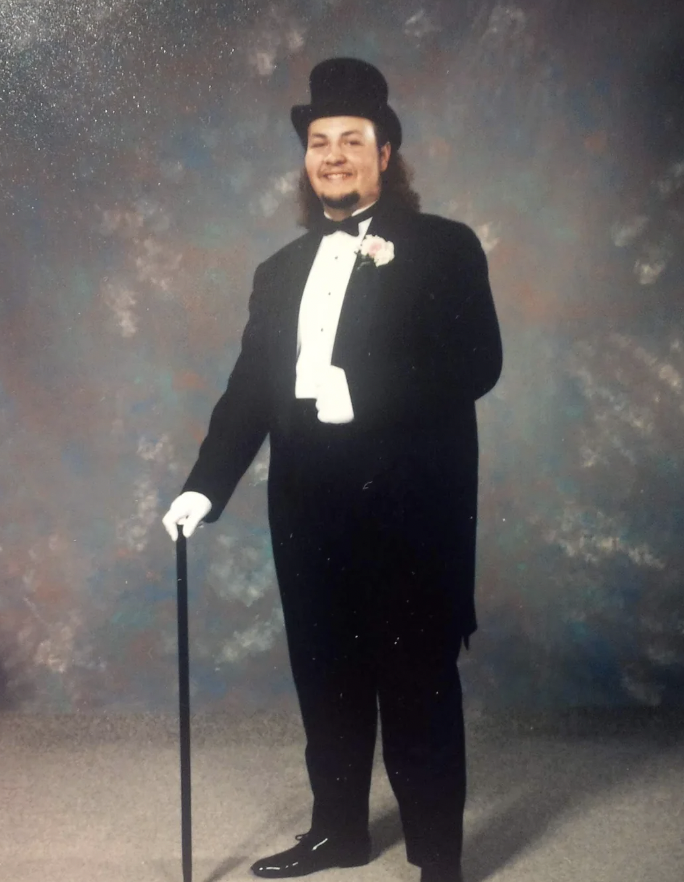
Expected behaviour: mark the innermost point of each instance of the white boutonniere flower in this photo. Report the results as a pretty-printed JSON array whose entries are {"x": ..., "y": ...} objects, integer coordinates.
[{"x": 377, "y": 249}]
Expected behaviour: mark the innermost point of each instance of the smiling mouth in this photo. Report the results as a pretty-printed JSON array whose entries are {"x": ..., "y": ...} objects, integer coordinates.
[{"x": 337, "y": 176}]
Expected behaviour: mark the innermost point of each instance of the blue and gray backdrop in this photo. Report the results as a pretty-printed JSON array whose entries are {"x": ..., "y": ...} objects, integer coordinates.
[{"x": 148, "y": 165}]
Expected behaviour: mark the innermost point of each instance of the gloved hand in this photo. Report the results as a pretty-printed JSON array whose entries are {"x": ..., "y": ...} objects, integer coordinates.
[{"x": 187, "y": 509}]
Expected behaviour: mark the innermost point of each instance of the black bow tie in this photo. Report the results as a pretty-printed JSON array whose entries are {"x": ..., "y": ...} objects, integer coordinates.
[{"x": 348, "y": 225}]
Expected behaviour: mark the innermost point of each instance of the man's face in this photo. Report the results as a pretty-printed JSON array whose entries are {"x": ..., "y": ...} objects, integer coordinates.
[{"x": 344, "y": 164}]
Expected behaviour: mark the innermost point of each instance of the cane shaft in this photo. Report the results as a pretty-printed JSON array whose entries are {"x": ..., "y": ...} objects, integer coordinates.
[{"x": 184, "y": 705}]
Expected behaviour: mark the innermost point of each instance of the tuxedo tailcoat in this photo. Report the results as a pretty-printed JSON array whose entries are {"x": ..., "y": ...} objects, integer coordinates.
[{"x": 373, "y": 522}]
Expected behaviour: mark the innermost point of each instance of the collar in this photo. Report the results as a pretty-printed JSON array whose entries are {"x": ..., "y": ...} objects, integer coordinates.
[{"x": 350, "y": 224}]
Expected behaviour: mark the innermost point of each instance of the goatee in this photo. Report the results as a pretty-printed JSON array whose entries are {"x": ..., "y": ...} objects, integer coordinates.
[{"x": 348, "y": 201}]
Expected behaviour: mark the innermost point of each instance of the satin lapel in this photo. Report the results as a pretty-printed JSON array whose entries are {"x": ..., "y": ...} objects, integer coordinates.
[
  {"x": 363, "y": 294},
  {"x": 291, "y": 286}
]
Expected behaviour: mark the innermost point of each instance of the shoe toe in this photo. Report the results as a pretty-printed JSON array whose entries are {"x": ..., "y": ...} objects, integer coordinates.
[
  {"x": 293, "y": 862},
  {"x": 276, "y": 867},
  {"x": 310, "y": 856}
]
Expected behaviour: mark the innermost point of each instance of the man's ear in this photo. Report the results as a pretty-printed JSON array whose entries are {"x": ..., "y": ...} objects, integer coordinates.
[{"x": 385, "y": 153}]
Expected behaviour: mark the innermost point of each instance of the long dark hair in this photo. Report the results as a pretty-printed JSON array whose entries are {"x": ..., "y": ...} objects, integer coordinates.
[{"x": 396, "y": 183}]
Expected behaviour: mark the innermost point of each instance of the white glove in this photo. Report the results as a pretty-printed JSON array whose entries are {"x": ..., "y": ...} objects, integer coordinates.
[
  {"x": 334, "y": 402},
  {"x": 188, "y": 509}
]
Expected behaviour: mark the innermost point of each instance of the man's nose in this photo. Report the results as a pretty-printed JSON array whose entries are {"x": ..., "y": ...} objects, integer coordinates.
[{"x": 335, "y": 155}]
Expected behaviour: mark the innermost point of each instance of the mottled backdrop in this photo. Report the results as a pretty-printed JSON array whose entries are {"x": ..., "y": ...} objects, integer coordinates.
[{"x": 148, "y": 164}]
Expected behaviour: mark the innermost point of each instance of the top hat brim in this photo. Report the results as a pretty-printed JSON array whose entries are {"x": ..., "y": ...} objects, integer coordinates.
[{"x": 304, "y": 114}]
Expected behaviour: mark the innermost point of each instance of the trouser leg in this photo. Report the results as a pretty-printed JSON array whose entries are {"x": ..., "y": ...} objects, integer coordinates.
[
  {"x": 424, "y": 750},
  {"x": 338, "y": 705},
  {"x": 315, "y": 532},
  {"x": 337, "y": 696},
  {"x": 327, "y": 638}
]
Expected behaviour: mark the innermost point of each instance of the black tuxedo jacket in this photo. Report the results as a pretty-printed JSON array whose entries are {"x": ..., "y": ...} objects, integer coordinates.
[{"x": 418, "y": 339}]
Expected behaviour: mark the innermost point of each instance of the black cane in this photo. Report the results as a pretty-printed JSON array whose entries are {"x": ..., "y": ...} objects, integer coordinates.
[{"x": 184, "y": 703}]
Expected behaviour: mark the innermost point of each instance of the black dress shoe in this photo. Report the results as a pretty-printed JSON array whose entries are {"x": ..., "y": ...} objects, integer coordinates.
[{"x": 312, "y": 853}]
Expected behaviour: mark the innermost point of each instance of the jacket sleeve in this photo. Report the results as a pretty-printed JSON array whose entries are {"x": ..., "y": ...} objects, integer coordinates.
[
  {"x": 240, "y": 419},
  {"x": 452, "y": 353},
  {"x": 467, "y": 354}
]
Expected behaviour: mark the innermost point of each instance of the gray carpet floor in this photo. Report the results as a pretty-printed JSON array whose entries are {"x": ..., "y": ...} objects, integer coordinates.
[{"x": 575, "y": 796}]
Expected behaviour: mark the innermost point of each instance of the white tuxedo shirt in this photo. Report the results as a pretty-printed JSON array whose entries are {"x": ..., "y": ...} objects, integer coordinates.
[{"x": 319, "y": 315}]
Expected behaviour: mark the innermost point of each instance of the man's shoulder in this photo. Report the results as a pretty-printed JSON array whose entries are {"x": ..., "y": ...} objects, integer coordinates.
[
  {"x": 289, "y": 252},
  {"x": 445, "y": 229}
]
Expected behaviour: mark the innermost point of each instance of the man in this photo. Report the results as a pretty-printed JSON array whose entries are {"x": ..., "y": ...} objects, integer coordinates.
[{"x": 368, "y": 342}]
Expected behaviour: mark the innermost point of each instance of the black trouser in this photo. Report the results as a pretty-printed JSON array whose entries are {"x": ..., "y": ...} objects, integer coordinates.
[{"x": 363, "y": 632}]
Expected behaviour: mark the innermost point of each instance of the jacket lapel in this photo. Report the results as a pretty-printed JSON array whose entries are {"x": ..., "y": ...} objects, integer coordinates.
[
  {"x": 291, "y": 285},
  {"x": 366, "y": 291},
  {"x": 360, "y": 299}
]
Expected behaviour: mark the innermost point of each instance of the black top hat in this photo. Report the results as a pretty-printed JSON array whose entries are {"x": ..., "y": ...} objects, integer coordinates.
[{"x": 347, "y": 87}]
